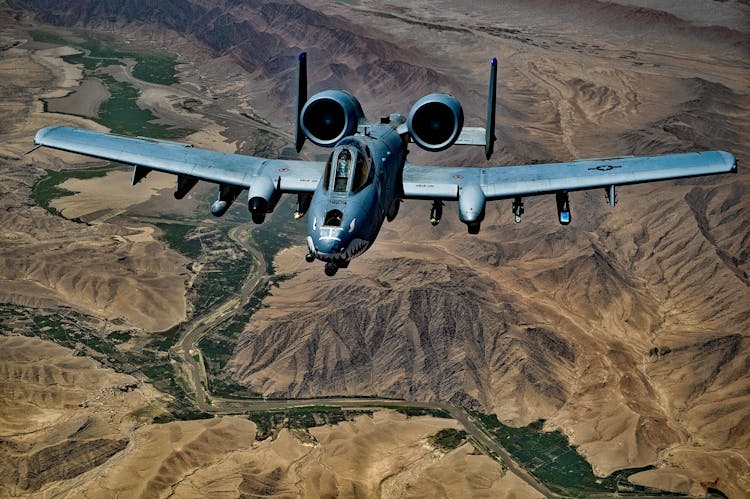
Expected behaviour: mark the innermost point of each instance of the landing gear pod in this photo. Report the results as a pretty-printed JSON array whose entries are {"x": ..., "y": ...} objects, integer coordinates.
[
  {"x": 471, "y": 203},
  {"x": 262, "y": 197},
  {"x": 435, "y": 121},
  {"x": 330, "y": 116}
]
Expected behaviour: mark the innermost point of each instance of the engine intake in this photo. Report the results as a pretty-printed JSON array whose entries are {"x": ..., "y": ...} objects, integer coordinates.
[
  {"x": 435, "y": 121},
  {"x": 330, "y": 116}
]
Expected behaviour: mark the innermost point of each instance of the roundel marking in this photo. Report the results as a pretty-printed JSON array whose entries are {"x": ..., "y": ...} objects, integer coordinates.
[{"x": 605, "y": 168}]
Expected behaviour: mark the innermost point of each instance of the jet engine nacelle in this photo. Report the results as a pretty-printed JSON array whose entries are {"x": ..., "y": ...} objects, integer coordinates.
[
  {"x": 262, "y": 197},
  {"x": 329, "y": 116},
  {"x": 435, "y": 121}
]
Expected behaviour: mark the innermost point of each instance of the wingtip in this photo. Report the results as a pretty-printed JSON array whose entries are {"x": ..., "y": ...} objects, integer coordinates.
[
  {"x": 302, "y": 56},
  {"x": 39, "y": 137},
  {"x": 729, "y": 160},
  {"x": 494, "y": 61}
]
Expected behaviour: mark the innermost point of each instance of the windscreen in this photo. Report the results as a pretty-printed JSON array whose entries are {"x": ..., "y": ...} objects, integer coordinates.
[
  {"x": 345, "y": 164},
  {"x": 342, "y": 168}
]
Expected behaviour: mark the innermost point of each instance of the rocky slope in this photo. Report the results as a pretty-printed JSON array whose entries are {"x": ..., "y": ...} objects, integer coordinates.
[
  {"x": 61, "y": 415},
  {"x": 45, "y": 260}
]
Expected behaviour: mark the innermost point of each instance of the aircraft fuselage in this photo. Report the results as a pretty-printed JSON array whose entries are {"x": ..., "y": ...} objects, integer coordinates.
[{"x": 359, "y": 189}]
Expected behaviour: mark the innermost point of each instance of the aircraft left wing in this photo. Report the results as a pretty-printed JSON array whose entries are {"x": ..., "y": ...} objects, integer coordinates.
[
  {"x": 191, "y": 163},
  {"x": 447, "y": 183},
  {"x": 472, "y": 187}
]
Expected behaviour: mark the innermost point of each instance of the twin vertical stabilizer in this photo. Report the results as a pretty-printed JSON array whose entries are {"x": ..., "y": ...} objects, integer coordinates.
[
  {"x": 489, "y": 131},
  {"x": 299, "y": 136}
]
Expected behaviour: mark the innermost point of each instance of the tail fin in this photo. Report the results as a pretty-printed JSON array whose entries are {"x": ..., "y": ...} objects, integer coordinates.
[
  {"x": 299, "y": 136},
  {"x": 489, "y": 137}
]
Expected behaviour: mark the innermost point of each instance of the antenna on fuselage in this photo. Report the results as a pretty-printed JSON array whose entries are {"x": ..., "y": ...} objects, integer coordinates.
[
  {"x": 299, "y": 136},
  {"x": 489, "y": 131}
]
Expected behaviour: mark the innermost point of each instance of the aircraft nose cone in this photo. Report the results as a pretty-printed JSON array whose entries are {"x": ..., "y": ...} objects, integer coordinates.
[{"x": 327, "y": 246}]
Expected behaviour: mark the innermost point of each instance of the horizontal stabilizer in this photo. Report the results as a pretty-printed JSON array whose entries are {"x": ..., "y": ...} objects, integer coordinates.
[{"x": 472, "y": 136}]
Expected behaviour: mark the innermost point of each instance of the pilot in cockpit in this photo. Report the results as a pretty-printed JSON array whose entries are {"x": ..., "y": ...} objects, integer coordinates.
[{"x": 343, "y": 167}]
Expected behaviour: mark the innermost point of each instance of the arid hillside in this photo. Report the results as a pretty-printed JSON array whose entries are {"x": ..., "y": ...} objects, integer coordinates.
[{"x": 628, "y": 330}]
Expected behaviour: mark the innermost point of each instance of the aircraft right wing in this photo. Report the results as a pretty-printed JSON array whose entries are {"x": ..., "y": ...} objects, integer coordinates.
[
  {"x": 265, "y": 179},
  {"x": 183, "y": 159}
]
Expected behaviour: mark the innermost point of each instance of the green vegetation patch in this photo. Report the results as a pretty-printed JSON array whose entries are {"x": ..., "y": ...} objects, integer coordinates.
[
  {"x": 218, "y": 347},
  {"x": 226, "y": 265},
  {"x": 448, "y": 439},
  {"x": 90, "y": 63},
  {"x": 410, "y": 411},
  {"x": 64, "y": 331},
  {"x": 150, "y": 66},
  {"x": 122, "y": 115},
  {"x": 178, "y": 237},
  {"x": 225, "y": 387},
  {"x": 120, "y": 336},
  {"x": 270, "y": 422},
  {"x": 47, "y": 188},
  {"x": 147, "y": 360},
  {"x": 121, "y": 112},
  {"x": 164, "y": 340},
  {"x": 44, "y": 36},
  {"x": 554, "y": 462},
  {"x": 279, "y": 231}
]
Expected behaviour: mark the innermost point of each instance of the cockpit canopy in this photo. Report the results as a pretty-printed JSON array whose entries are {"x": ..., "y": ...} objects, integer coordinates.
[{"x": 349, "y": 168}]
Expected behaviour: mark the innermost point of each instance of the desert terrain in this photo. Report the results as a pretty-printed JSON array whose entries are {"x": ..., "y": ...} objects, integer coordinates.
[
  {"x": 626, "y": 331},
  {"x": 89, "y": 438}
]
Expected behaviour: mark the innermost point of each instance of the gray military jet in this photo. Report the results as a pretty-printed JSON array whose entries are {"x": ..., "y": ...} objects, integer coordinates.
[{"x": 367, "y": 176}]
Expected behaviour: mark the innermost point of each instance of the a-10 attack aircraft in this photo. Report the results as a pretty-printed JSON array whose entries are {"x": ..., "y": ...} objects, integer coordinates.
[{"x": 367, "y": 176}]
